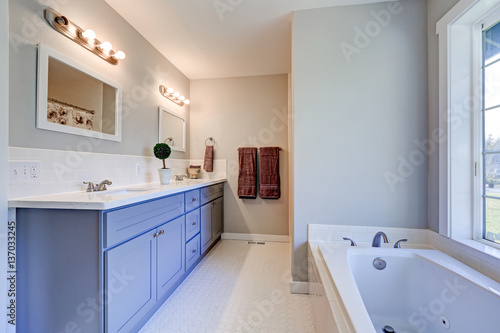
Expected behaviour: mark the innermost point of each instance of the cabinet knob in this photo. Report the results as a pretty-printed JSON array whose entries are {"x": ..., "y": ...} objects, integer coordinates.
[
  {"x": 194, "y": 251},
  {"x": 162, "y": 232},
  {"x": 155, "y": 234},
  {"x": 194, "y": 223},
  {"x": 194, "y": 199}
]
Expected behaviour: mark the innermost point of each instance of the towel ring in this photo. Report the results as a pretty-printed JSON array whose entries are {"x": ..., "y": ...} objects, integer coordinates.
[
  {"x": 210, "y": 139},
  {"x": 170, "y": 139}
]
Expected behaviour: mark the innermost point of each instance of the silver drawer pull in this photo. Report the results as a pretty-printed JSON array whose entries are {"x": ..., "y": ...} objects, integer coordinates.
[
  {"x": 194, "y": 251},
  {"x": 194, "y": 199},
  {"x": 194, "y": 223}
]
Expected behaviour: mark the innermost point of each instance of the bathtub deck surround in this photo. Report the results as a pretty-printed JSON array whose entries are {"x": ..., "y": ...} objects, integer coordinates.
[
  {"x": 483, "y": 258},
  {"x": 352, "y": 296}
]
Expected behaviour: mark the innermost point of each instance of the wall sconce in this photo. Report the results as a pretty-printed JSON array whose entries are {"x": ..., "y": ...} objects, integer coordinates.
[
  {"x": 174, "y": 96},
  {"x": 86, "y": 38}
]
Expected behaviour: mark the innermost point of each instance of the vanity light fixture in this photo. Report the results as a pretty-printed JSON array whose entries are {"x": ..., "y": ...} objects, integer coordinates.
[
  {"x": 86, "y": 38},
  {"x": 174, "y": 96}
]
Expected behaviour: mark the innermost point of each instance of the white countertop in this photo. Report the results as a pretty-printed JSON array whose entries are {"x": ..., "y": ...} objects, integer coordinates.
[{"x": 108, "y": 199}]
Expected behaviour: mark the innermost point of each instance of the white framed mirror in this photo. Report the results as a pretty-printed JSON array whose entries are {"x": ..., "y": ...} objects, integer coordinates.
[
  {"x": 74, "y": 99},
  {"x": 172, "y": 129}
]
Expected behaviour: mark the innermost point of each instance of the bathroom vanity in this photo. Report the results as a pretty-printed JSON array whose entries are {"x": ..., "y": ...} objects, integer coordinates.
[{"x": 106, "y": 262}]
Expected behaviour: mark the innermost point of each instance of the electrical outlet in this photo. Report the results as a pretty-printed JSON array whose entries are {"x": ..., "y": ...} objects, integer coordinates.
[{"x": 24, "y": 172}]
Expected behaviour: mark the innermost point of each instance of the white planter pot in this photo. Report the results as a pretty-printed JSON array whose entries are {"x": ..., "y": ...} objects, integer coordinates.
[{"x": 165, "y": 176}]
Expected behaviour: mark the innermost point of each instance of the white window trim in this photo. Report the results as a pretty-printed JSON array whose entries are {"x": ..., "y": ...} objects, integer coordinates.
[{"x": 459, "y": 119}]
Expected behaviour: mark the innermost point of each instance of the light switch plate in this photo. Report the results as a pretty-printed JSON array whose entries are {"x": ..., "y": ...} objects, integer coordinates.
[{"x": 21, "y": 172}]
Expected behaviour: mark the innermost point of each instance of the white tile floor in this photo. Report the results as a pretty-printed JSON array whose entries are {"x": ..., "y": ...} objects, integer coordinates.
[{"x": 236, "y": 288}]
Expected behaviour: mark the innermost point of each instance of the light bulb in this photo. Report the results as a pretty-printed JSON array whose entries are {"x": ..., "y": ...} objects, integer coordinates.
[
  {"x": 120, "y": 55},
  {"x": 89, "y": 34},
  {"x": 170, "y": 90},
  {"x": 176, "y": 94},
  {"x": 187, "y": 101},
  {"x": 106, "y": 47},
  {"x": 182, "y": 98}
]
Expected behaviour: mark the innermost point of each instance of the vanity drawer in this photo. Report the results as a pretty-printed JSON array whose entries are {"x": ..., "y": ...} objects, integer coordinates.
[
  {"x": 192, "y": 251},
  {"x": 192, "y": 224},
  {"x": 127, "y": 222},
  {"x": 192, "y": 199},
  {"x": 211, "y": 192}
]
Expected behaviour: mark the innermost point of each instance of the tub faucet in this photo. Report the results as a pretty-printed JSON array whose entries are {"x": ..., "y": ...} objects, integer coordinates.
[{"x": 378, "y": 236}]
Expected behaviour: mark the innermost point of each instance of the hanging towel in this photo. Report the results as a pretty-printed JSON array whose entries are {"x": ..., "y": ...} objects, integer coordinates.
[
  {"x": 208, "y": 164},
  {"x": 269, "y": 172},
  {"x": 247, "y": 176}
]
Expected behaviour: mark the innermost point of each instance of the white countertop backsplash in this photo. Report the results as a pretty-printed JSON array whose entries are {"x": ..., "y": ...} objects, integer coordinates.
[
  {"x": 65, "y": 171},
  {"x": 104, "y": 200}
]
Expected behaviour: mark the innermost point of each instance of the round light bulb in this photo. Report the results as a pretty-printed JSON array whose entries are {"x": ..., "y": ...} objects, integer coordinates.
[
  {"x": 106, "y": 47},
  {"x": 182, "y": 98},
  {"x": 89, "y": 34},
  {"x": 120, "y": 55},
  {"x": 170, "y": 90},
  {"x": 187, "y": 101},
  {"x": 176, "y": 94}
]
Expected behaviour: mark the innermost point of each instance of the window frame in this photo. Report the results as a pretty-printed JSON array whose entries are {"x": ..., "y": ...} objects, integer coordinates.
[{"x": 461, "y": 214}]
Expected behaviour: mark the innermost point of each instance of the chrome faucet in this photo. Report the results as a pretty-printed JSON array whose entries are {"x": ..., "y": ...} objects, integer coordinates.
[
  {"x": 102, "y": 185},
  {"x": 377, "y": 239}
]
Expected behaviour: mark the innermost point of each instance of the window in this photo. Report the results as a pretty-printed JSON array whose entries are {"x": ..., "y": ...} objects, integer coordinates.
[{"x": 491, "y": 132}]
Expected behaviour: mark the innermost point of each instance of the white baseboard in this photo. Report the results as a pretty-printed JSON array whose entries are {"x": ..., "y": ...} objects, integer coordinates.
[
  {"x": 256, "y": 237},
  {"x": 299, "y": 287}
]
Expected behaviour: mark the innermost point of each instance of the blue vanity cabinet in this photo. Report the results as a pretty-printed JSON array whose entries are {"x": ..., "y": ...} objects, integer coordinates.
[
  {"x": 109, "y": 271},
  {"x": 130, "y": 282},
  {"x": 170, "y": 254},
  {"x": 211, "y": 217},
  {"x": 206, "y": 227}
]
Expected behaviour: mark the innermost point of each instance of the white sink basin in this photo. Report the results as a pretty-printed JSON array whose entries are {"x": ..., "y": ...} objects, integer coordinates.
[{"x": 124, "y": 191}]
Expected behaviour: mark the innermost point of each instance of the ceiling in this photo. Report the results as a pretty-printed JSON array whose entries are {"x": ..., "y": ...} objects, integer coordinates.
[{"x": 220, "y": 38}]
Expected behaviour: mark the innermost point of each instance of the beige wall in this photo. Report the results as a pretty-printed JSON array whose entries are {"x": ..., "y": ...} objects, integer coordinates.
[
  {"x": 435, "y": 10},
  {"x": 140, "y": 74},
  {"x": 356, "y": 121},
  {"x": 238, "y": 112}
]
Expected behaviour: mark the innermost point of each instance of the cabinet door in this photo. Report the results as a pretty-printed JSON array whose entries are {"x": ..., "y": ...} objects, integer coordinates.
[
  {"x": 206, "y": 226},
  {"x": 217, "y": 213},
  {"x": 170, "y": 254},
  {"x": 129, "y": 282}
]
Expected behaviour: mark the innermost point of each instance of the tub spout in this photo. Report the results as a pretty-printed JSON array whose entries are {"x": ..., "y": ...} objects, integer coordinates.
[{"x": 377, "y": 239}]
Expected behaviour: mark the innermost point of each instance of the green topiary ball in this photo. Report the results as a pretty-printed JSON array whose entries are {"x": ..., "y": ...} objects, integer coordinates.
[{"x": 162, "y": 151}]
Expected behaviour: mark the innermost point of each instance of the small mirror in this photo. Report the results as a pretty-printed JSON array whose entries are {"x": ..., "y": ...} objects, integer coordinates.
[
  {"x": 172, "y": 129},
  {"x": 74, "y": 99}
]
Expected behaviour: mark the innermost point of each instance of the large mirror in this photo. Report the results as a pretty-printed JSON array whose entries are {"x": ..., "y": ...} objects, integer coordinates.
[
  {"x": 74, "y": 99},
  {"x": 172, "y": 129}
]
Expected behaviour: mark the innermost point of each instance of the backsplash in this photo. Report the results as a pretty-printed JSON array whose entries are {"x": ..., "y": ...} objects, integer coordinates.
[{"x": 65, "y": 171}]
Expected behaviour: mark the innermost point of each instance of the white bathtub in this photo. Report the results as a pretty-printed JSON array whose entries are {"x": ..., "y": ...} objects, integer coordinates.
[{"x": 418, "y": 291}]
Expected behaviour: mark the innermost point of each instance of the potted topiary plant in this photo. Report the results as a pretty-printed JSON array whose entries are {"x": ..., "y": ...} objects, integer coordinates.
[{"x": 163, "y": 151}]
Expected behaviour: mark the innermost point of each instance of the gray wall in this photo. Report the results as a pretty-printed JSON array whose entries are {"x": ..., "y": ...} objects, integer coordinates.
[
  {"x": 357, "y": 123},
  {"x": 139, "y": 74},
  {"x": 4, "y": 130},
  {"x": 435, "y": 11},
  {"x": 239, "y": 112}
]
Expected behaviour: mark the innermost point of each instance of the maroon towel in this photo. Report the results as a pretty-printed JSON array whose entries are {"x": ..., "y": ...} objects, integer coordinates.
[
  {"x": 247, "y": 176},
  {"x": 269, "y": 172},
  {"x": 208, "y": 164}
]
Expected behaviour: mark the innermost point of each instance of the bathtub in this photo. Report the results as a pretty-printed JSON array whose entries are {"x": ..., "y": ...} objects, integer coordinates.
[{"x": 419, "y": 290}]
